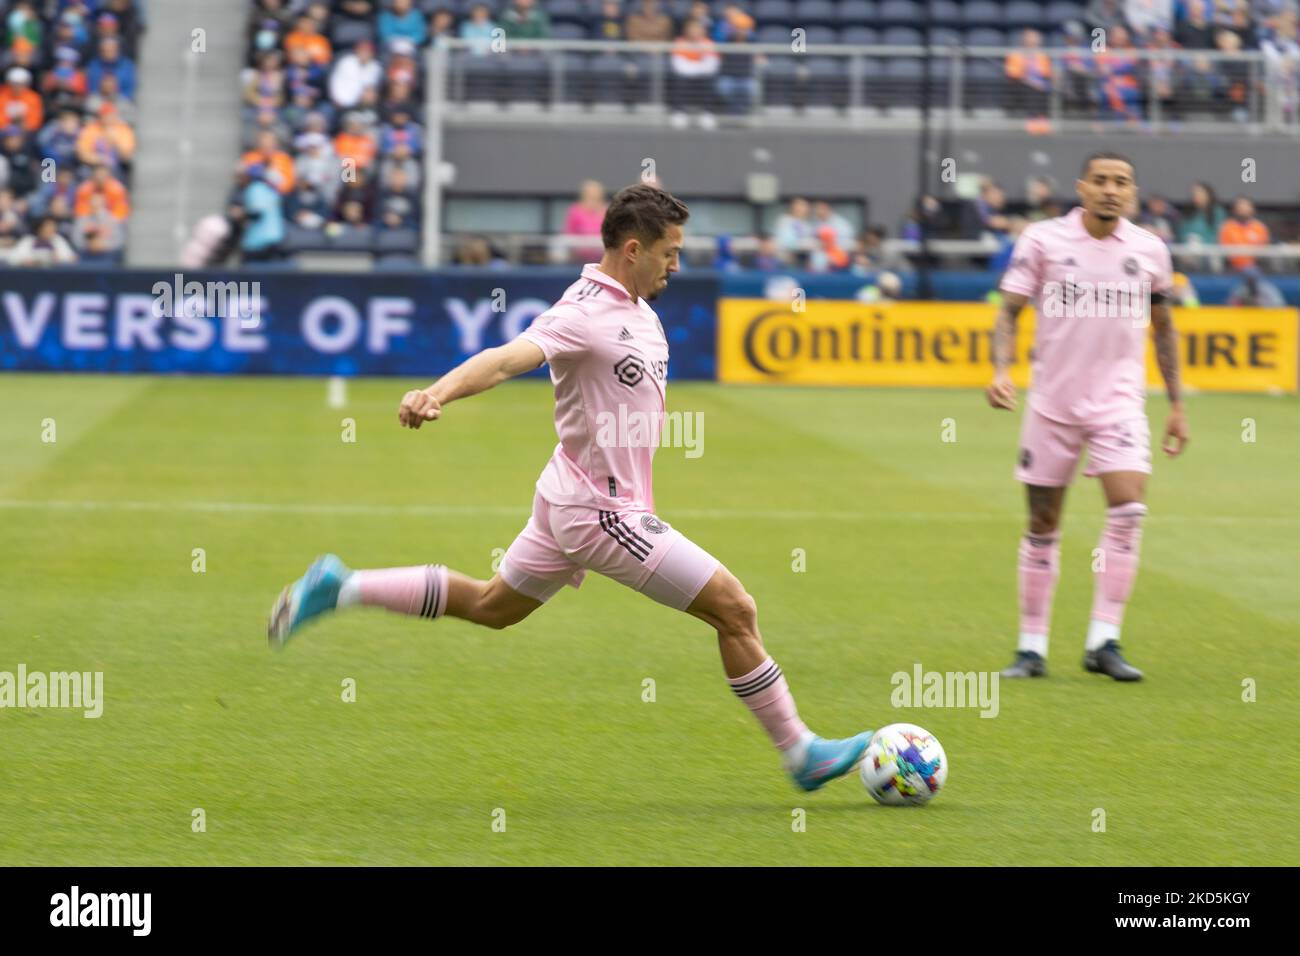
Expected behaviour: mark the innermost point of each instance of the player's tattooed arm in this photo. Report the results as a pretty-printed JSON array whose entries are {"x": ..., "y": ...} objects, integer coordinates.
[
  {"x": 476, "y": 374},
  {"x": 1165, "y": 337},
  {"x": 1001, "y": 393}
]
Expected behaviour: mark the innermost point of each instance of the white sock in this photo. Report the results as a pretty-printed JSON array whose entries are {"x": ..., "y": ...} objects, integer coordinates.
[
  {"x": 1033, "y": 642},
  {"x": 350, "y": 591},
  {"x": 1099, "y": 633},
  {"x": 796, "y": 755}
]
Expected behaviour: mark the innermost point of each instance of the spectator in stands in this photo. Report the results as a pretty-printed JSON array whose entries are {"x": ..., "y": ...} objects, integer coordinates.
[
  {"x": 737, "y": 84},
  {"x": 1007, "y": 243},
  {"x": 263, "y": 216},
  {"x": 1255, "y": 291},
  {"x": 401, "y": 157},
  {"x": 888, "y": 287},
  {"x": 695, "y": 62},
  {"x": 399, "y": 203},
  {"x": 768, "y": 256},
  {"x": 1078, "y": 70},
  {"x": 108, "y": 92},
  {"x": 609, "y": 26},
  {"x": 1146, "y": 16},
  {"x": 1159, "y": 217},
  {"x": 1236, "y": 74},
  {"x": 1282, "y": 57},
  {"x": 828, "y": 255},
  {"x": 308, "y": 207},
  {"x": 649, "y": 24},
  {"x": 98, "y": 234},
  {"x": 266, "y": 121},
  {"x": 1104, "y": 13},
  {"x": 479, "y": 29},
  {"x": 1206, "y": 218},
  {"x": 304, "y": 103},
  {"x": 928, "y": 214},
  {"x": 402, "y": 67},
  {"x": 129, "y": 25},
  {"x": 525, "y": 20},
  {"x": 583, "y": 219},
  {"x": 1194, "y": 32},
  {"x": 12, "y": 224},
  {"x": 473, "y": 251},
  {"x": 102, "y": 183},
  {"x": 60, "y": 193},
  {"x": 992, "y": 209},
  {"x": 1040, "y": 202},
  {"x": 106, "y": 139},
  {"x": 68, "y": 33},
  {"x": 20, "y": 105},
  {"x": 21, "y": 156},
  {"x": 400, "y": 131},
  {"x": 1118, "y": 72},
  {"x": 111, "y": 60},
  {"x": 359, "y": 188},
  {"x": 23, "y": 22},
  {"x": 824, "y": 215},
  {"x": 66, "y": 83},
  {"x": 794, "y": 230},
  {"x": 306, "y": 34},
  {"x": 354, "y": 73},
  {"x": 301, "y": 70},
  {"x": 1243, "y": 229},
  {"x": 353, "y": 221},
  {"x": 275, "y": 164},
  {"x": 58, "y": 140},
  {"x": 45, "y": 247},
  {"x": 356, "y": 147},
  {"x": 403, "y": 20},
  {"x": 443, "y": 24},
  {"x": 1030, "y": 72},
  {"x": 317, "y": 165}
]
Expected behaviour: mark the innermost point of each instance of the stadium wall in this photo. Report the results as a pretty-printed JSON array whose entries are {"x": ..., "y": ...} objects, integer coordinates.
[{"x": 423, "y": 323}]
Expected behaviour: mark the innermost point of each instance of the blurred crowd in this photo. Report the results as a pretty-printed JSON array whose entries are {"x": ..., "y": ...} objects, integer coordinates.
[
  {"x": 67, "y": 136},
  {"x": 332, "y": 96}
]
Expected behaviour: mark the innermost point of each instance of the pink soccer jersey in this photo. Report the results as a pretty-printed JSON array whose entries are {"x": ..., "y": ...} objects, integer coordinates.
[
  {"x": 1092, "y": 302},
  {"x": 609, "y": 362}
]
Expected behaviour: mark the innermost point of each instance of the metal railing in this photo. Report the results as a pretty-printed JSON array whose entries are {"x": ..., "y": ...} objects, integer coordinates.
[{"x": 610, "y": 82}]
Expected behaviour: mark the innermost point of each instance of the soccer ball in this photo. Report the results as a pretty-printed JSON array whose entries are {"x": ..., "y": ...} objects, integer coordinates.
[{"x": 903, "y": 766}]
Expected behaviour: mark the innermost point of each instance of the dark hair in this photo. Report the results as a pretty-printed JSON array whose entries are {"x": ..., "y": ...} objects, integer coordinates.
[
  {"x": 1105, "y": 154},
  {"x": 643, "y": 212},
  {"x": 1209, "y": 191}
]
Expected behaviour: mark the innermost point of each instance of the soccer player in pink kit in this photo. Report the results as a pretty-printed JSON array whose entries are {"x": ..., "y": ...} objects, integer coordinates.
[
  {"x": 593, "y": 508},
  {"x": 1099, "y": 281}
]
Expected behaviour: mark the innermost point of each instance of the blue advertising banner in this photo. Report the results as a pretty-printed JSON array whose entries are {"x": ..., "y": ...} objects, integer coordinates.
[{"x": 295, "y": 323}]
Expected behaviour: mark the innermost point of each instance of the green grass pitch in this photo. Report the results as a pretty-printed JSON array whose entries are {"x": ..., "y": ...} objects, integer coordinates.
[{"x": 910, "y": 545}]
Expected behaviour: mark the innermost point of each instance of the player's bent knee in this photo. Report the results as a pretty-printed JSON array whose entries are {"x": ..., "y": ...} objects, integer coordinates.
[{"x": 737, "y": 613}]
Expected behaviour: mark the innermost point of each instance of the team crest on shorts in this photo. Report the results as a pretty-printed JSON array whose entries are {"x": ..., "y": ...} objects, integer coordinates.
[
  {"x": 1025, "y": 458},
  {"x": 653, "y": 524},
  {"x": 1130, "y": 266}
]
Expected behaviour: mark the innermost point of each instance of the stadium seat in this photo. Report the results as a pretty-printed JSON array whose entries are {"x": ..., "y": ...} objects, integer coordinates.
[
  {"x": 978, "y": 12},
  {"x": 899, "y": 12},
  {"x": 822, "y": 36},
  {"x": 901, "y": 36},
  {"x": 775, "y": 11},
  {"x": 527, "y": 78},
  {"x": 901, "y": 83},
  {"x": 859, "y": 36},
  {"x": 946, "y": 36},
  {"x": 1024, "y": 13},
  {"x": 1062, "y": 11},
  {"x": 781, "y": 76},
  {"x": 560, "y": 11},
  {"x": 298, "y": 239},
  {"x": 483, "y": 78},
  {"x": 985, "y": 36},
  {"x": 857, "y": 13},
  {"x": 569, "y": 31},
  {"x": 773, "y": 33},
  {"x": 358, "y": 239},
  {"x": 828, "y": 81},
  {"x": 817, "y": 13},
  {"x": 348, "y": 33},
  {"x": 983, "y": 83},
  {"x": 945, "y": 12}
]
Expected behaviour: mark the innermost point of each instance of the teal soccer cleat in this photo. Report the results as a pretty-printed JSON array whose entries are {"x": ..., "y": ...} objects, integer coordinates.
[
  {"x": 311, "y": 595},
  {"x": 828, "y": 759}
]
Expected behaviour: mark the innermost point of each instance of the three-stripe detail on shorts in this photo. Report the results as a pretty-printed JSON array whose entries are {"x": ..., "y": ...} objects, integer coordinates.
[
  {"x": 768, "y": 676},
  {"x": 631, "y": 542},
  {"x": 430, "y": 592}
]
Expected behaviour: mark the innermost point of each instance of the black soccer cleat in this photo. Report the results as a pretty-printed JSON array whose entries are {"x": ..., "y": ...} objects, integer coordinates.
[
  {"x": 1027, "y": 664},
  {"x": 1109, "y": 661}
]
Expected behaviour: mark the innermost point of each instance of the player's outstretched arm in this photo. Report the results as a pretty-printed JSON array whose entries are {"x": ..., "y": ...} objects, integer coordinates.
[
  {"x": 1001, "y": 393},
  {"x": 476, "y": 374},
  {"x": 1165, "y": 337}
]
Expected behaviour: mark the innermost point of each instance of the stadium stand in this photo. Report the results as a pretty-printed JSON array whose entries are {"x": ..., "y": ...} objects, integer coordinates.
[{"x": 67, "y": 138}]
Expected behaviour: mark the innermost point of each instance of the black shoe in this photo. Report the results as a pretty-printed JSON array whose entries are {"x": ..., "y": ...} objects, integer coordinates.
[
  {"x": 1109, "y": 661},
  {"x": 1027, "y": 664}
]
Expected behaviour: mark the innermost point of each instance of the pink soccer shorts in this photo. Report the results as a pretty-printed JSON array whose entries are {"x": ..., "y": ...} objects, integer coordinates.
[
  {"x": 1049, "y": 450},
  {"x": 560, "y": 544}
]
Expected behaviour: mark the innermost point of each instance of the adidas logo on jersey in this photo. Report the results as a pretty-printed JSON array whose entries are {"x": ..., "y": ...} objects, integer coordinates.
[{"x": 624, "y": 335}]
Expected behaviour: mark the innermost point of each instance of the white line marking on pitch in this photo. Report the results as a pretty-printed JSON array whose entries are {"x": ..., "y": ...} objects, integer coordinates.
[{"x": 686, "y": 514}]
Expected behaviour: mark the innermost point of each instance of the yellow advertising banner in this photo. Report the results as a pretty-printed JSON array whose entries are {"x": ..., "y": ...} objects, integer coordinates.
[{"x": 833, "y": 342}]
